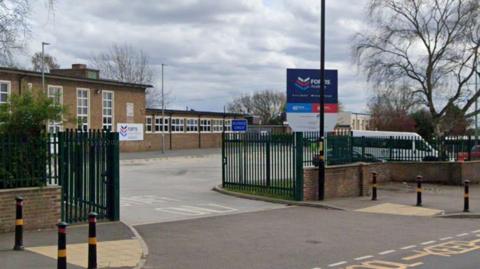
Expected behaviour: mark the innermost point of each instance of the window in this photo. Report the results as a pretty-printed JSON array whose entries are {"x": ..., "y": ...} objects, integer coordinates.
[
  {"x": 107, "y": 101},
  {"x": 161, "y": 126},
  {"x": 83, "y": 109},
  {"x": 178, "y": 125},
  {"x": 205, "y": 125},
  {"x": 217, "y": 126},
  {"x": 56, "y": 94},
  {"x": 192, "y": 125},
  {"x": 228, "y": 125},
  {"x": 148, "y": 124},
  {"x": 4, "y": 91}
]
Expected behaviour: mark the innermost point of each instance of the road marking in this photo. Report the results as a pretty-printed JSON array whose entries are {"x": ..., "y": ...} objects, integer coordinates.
[
  {"x": 188, "y": 210},
  {"x": 476, "y": 232},
  {"x": 416, "y": 264},
  {"x": 387, "y": 252},
  {"x": 460, "y": 235},
  {"x": 446, "y": 238},
  {"x": 363, "y": 258},
  {"x": 409, "y": 247},
  {"x": 428, "y": 243},
  {"x": 337, "y": 264}
]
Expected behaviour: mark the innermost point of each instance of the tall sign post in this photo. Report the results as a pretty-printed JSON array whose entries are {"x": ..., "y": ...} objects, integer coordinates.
[{"x": 321, "y": 168}]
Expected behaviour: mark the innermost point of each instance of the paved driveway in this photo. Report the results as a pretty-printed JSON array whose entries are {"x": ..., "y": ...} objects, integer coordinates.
[{"x": 177, "y": 188}]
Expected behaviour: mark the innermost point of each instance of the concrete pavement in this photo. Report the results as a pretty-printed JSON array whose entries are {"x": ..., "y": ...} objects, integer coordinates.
[{"x": 117, "y": 247}]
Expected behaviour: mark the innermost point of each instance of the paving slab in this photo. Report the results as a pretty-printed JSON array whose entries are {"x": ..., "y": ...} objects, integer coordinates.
[{"x": 117, "y": 248}]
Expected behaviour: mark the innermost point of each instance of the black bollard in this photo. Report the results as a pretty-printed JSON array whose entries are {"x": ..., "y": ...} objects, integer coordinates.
[
  {"x": 466, "y": 206},
  {"x": 19, "y": 224},
  {"x": 92, "y": 240},
  {"x": 62, "y": 246},
  {"x": 374, "y": 186},
  {"x": 419, "y": 190}
]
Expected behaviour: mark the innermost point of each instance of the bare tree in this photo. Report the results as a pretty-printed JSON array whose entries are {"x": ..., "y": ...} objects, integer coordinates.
[
  {"x": 127, "y": 64},
  {"x": 268, "y": 105},
  {"x": 432, "y": 45},
  {"x": 14, "y": 27},
  {"x": 50, "y": 62},
  {"x": 390, "y": 109}
]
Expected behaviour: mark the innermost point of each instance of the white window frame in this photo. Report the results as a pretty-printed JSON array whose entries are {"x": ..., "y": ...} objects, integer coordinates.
[
  {"x": 177, "y": 127},
  {"x": 9, "y": 90},
  {"x": 205, "y": 125},
  {"x": 194, "y": 125},
  {"x": 162, "y": 124},
  {"x": 147, "y": 124},
  {"x": 228, "y": 125},
  {"x": 217, "y": 125},
  {"x": 112, "y": 117},
  {"x": 88, "y": 107},
  {"x": 55, "y": 126}
]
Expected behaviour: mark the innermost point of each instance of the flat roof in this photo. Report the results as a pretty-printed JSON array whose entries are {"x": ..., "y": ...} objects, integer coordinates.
[
  {"x": 72, "y": 78},
  {"x": 194, "y": 112}
]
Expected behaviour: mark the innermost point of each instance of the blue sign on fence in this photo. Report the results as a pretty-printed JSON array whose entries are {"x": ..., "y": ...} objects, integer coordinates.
[{"x": 239, "y": 125}]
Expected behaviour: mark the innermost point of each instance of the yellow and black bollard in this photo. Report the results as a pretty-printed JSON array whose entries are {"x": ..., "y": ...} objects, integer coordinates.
[
  {"x": 62, "y": 246},
  {"x": 374, "y": 186},
  {"x": 92, "y": 240},
  {"x": 419, "y": 190},
  {"x": 466, "y": 205},
  {"x": 19, "y": 224}
]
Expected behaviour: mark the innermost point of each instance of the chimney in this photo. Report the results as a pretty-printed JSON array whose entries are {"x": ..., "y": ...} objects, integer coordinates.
[{"x": 78, "y": 71}]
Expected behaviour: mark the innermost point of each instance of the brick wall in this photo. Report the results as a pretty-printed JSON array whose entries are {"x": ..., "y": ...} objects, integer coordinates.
[
  {"x": 41, "y": 208},
  {"x": 340, "y": 181},
  {"x": 354, "y": 179}
]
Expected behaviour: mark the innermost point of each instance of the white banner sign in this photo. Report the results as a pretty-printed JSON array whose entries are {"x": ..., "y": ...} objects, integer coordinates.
[
  {"x": 310, "y": 122},
  {"x": 130, "y": 131}
]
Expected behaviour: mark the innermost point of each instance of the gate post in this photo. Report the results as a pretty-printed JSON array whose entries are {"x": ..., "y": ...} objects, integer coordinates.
[
  {"x": 223, "y": 155},
  {"x": 298, "y": 146},
  {"x": 113, "y": 176}
]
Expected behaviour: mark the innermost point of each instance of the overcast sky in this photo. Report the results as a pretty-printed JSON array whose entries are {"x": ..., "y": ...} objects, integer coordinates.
[{"x": 215, "y": 49}]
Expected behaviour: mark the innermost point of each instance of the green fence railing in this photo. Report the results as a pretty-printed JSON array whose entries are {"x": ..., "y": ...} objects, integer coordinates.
[
  {"x": 268, "y": 164},
  {"x": 84, "y": 164}
]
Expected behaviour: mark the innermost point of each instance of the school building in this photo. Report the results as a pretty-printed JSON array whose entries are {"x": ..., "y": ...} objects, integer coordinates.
[{"x": 95, "y": 103}]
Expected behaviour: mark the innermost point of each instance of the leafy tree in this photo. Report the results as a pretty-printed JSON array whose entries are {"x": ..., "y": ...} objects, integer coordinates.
[
  {"x": 50, "y": 62},
  {"x": 431, "y": 45},
  {"x": 268, "y": 105},
  {"x": 423, "y": 123},
  {"x": 26, "y": 115}
]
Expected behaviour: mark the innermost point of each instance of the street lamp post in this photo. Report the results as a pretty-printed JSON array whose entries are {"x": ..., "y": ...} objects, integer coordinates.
[
  {"x": 43, "y": 64},
  {"x": 321, "y": 168},
  {"x": 163, "y": 114}
]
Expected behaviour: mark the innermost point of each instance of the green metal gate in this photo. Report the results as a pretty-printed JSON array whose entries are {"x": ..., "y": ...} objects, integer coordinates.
[
  {"x": 88, "y": 171},
  {"x": 268, "y": 164}
]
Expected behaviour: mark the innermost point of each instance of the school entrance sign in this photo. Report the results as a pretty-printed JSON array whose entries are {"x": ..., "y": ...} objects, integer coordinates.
[{"x": 303, "y": 99}]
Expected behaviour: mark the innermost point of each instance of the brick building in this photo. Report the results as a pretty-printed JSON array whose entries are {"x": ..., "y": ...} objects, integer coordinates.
[{"x": 95, "y": 103}]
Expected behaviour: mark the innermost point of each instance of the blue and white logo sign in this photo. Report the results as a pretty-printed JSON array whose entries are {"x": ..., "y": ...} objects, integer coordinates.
[
  {"x": 239, "y": 125},
  {"x": 130, "y": 131}
]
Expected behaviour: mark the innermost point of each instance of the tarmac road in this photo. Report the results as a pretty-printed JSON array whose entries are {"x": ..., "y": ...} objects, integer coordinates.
[
  {"x": 177, "y": 188},
  {"x": 306, "y": 238}
]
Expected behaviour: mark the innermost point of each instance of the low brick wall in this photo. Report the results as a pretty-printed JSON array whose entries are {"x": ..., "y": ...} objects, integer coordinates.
[
  {"x": 340, "y": 181},
  {"x": 354, "y": 179},
  {"x": 41, "y": 208}
]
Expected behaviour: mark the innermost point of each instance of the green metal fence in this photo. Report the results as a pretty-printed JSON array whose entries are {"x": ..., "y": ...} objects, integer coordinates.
[
  {"x": 267, "y": 164},
  {"x": 84, "y": 164},
  {"x": 89, "y": 174}
]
